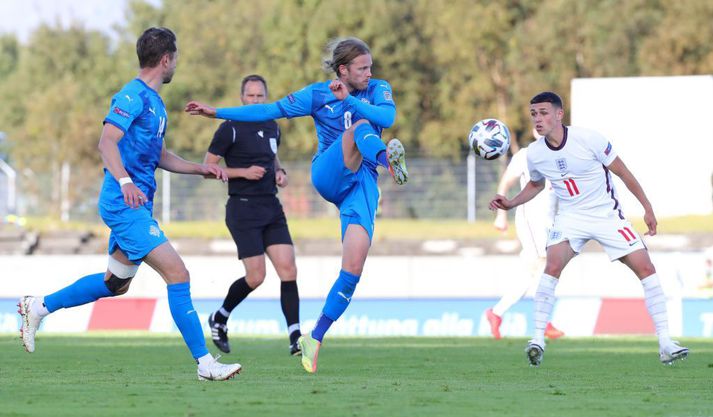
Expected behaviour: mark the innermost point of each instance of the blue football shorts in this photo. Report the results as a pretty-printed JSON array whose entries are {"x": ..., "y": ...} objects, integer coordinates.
[
  {"x": 133, "y": 230},
  {"x": 355, "y": 193}
]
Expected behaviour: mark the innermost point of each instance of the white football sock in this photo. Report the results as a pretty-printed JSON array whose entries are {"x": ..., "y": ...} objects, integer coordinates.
[
  {"x": 204, "y": 360},
  {"x": 656, "y": 304},
  {"x": 38, "y": 307},
  {"x": 544, "y": 303}
]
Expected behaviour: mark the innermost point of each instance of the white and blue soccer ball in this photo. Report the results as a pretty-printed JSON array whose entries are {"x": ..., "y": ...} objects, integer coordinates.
[{"x": 489, "y": 138}]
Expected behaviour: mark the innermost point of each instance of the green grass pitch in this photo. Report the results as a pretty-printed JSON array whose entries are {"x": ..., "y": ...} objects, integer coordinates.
[{"x": 147, "y": 375}]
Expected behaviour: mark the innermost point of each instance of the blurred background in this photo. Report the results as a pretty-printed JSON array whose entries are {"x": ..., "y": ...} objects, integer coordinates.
[{"x": 637, "y": 70}]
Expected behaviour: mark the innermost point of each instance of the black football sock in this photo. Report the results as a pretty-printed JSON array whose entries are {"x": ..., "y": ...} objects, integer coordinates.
[
  {"x": 236, "y": 294},
  {"x": 290, "y": 300}
]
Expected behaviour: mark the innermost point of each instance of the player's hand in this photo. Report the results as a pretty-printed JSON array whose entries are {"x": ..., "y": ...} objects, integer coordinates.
[
  {"x": 197, "y": 108},
  {"x": 501, "y": 221},
  {"x": 339, "y": 90},
  {"x": 499, "y": 202},
  {"x": 133, "y": 196},
  {"x": 281, "y": 178},
  {"x": 651, "y": 223},
  {"x": 214, "y": 171},
  {"x": 255, "y": 172}
]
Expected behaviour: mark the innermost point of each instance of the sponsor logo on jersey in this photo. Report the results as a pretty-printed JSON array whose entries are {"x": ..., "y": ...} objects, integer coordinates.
[
  {"x": 260, "y": 133},
  {"x": 387, "y": 96},
  {"x": 330, "y": 108},
  {"x": 607, "y": 151},
  {"x": 122, "y": 113},
  {"x": 555, "y": 234},
  {"x": 561, "y": 164},
  {"x": 291, "y": 98},
  {"x": 365, "y": 100}
]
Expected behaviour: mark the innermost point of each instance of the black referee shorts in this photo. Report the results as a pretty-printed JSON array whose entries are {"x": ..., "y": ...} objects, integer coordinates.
[{"x": 256, "y": 223}]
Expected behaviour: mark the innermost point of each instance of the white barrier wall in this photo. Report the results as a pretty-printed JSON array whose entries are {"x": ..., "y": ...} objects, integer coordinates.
[
  {"x": 397, "y": 296},
  {"x": 589, "y": 274}
]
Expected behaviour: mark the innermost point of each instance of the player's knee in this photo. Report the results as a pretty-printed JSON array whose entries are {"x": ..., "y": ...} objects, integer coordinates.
[
  {"x": 554, "y": 268},
  {"x": 645, "y": 270},
  {"x": 118, "y": 286},
  {"x": 287, "y": 272},
  {"x": 120, "y": 276},
  {"x": 354, "y": 267},
  {"x": 181, "y": 274},
  {"x": 255, "y": 278}
]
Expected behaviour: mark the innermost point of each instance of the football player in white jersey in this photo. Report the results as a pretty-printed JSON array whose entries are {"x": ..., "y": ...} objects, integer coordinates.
[
  {"x": 532, "y": 222},
  {"x": 578, "y": 163}
]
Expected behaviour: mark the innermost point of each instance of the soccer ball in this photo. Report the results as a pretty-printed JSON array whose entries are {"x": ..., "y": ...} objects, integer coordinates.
[{"x": 489, "y": 138}]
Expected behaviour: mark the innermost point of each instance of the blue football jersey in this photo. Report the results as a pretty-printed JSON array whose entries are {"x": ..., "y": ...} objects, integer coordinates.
[
  {"x": 139, "y": 112},
  {"x": 331, "y": 115}
]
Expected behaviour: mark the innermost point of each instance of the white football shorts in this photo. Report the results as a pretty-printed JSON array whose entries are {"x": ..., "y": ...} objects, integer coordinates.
[{"x": 616, "y": 235}]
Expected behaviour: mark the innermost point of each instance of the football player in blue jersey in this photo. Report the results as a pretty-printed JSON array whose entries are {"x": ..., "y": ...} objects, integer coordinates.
[
  {"x": 132, "y": 147},
  {"x": 349, "y": 113}
]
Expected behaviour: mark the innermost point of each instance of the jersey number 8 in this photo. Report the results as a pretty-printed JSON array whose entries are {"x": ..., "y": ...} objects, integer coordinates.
[{"x": 347, "y": 119}]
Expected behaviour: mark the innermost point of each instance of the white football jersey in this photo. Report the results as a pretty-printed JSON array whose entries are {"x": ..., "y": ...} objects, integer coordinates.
[{"x": 577, "y": 170}]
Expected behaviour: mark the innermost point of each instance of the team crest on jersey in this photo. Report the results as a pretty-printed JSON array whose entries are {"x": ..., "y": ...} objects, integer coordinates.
[
  {"x": 555, "y": 234},
  {"x": 561, "y": 164},
  {"x": 365, "y": 100},
  {"x": 387, "y": 96},
  {"x": 273, "y": 145},
  {"x": 154, "y": 231}
]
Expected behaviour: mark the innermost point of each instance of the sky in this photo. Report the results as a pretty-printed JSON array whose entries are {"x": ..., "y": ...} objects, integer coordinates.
[{"x": 21, "y": 17}]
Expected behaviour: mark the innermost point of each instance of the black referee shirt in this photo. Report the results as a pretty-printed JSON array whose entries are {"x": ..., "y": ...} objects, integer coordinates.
[{"x": 244, "y": 144}]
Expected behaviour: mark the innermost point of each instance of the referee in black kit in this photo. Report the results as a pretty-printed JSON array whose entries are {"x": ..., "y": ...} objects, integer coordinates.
[{"x": 253, "y": 214}]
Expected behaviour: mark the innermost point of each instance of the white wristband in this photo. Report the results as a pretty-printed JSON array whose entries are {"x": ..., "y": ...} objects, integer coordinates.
[{"x": 125, "y": 180}]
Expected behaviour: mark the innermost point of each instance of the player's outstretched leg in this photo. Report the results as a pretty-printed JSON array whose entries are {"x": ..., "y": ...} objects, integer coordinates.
[
  {"x": 396, "y": 156},
  {"x": 30, "y": 321},
  {"x": 534, "y": 353},
  {"x": 32, "y": 309}
]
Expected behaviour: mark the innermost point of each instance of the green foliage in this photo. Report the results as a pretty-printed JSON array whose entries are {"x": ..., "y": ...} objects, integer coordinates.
[{"x": 450, "y": 63}]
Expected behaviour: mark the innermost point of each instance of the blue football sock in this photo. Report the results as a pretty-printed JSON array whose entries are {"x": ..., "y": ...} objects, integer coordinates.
[
  {"x": 186, "y": 318},
  {"x": 84, "y": 290},
  {"x": 323, "y": 324},
  {"x": 381, "y": 159},
  {"x": 340, "y": 295},
  {"x": 369, "y": 143}
]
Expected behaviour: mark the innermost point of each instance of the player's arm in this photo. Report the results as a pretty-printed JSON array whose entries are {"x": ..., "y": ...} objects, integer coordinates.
[
  {"x": 254, "y": 172},
  {"x": 174, "y": 163},
  {"x": 109, "y": 150},
  {"x": 509, "y": 178},
  {"x": 620, "y": 170},
  {"x": 248, "y": 113},
  {"x": 380, "y": 114},
  {"x": 528, "y": 193}
]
